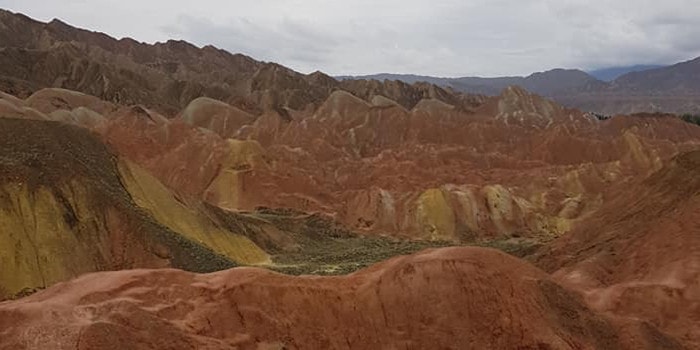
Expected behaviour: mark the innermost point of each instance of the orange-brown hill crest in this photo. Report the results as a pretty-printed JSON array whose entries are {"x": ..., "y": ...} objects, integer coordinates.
[{"x": 445, "y": 298}]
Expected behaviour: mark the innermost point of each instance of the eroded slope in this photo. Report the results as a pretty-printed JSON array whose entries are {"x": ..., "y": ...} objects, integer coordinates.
[
  {"x": 448, "y": 298},
  {"x": 65, "y": 211},
  {"x": 640, "y": 256}
]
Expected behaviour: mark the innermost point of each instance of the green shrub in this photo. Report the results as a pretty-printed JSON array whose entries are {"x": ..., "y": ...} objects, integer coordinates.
[{"x": 691, "y": 118}]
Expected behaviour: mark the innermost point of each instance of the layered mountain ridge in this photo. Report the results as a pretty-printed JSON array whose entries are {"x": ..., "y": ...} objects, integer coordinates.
[{"x": 165, "y": 76}]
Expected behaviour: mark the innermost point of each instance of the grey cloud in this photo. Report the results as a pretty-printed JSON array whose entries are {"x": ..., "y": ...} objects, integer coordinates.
[
  {"x": 287, "y": 41},
  {"x": 447, "y": 37}
]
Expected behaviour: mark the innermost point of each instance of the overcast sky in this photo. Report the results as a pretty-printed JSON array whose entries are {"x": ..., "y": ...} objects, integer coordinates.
[{"x": 438, "y": 37}]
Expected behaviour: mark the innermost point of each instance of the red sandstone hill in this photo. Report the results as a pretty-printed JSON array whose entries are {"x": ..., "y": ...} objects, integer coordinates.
[
  {"x": 518, "y": 165},
  {"x": 455, "y": 298},
  {"x": 639, "y": 257}
]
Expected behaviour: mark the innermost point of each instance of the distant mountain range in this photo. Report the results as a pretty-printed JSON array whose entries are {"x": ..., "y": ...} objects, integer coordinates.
[
  {"x": 543, "y": 83},
  {"x": 612, "y": 73},
  {"x": 672, "y": 89},
  {"x": 573, "y": 77}
]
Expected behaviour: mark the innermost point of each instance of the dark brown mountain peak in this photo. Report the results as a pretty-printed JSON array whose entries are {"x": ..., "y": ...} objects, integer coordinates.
[
  {"x": 321, "y": 79},
  {"x": 404, "y": 94},
  {"x": 180, "y": 46},
  {"x": 275, "y": 76}
]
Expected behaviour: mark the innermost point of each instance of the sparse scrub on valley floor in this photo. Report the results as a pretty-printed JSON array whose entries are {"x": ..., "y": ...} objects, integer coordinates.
[{"x": 691, "y": 118}]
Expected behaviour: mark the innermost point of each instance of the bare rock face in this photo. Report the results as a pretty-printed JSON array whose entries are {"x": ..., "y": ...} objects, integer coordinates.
[{"x": 448, "y": 298}]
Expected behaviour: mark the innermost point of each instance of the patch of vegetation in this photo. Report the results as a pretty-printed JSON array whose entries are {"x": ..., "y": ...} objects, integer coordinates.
[
  {"x": 303, "y": 243},
  {"x": 339, "y": 256},
  {"x": 601, "y": 116},
  {"x": 519, "y": 247},
  {"x": 19, "y": 295},
  {"x": 691, "y": 118}
]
